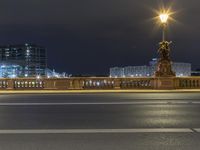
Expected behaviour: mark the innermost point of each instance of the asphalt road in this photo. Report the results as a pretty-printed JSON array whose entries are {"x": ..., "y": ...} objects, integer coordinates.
[{"x": 100, "y": 121}]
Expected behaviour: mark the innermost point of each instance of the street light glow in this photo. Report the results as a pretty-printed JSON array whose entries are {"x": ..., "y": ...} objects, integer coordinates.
[{"x": 164, "y": 18}]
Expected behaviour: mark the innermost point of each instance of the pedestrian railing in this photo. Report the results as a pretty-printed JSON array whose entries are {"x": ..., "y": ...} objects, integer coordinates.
[
  {"x": 188, "y": 83},
  {"x": 28, "y": 84},
  {"x": 84, "y": 83},
  {"x": 98, "y": 84},
  {"x": 137, "y": 83},
  {"x": 3, "y": 84}
]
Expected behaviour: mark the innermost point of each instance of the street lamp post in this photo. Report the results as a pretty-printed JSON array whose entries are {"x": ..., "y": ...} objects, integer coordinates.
[
  {"x": 164, "y": 67},
  {"x": 163, "y": 19}
]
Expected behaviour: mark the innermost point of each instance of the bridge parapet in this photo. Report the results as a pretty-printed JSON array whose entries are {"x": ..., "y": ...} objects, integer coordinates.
[
  {"x": 84, "y": 83},
  {"x": 188, "y": 83}
]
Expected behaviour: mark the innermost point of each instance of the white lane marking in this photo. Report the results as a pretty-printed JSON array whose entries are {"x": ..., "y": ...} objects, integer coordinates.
[
  {"x": 197, "y": 129},
  {"x": 194, "y": 102},
  {"x": 96, "y": 103},
  {"x": 76, "y": 131}
]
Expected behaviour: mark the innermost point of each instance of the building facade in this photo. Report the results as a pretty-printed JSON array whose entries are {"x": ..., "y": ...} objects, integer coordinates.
[
  {"x": 181, "y": 70},
  {"x": 25, "y": 60},
  {"x": 117, "y": 72}
]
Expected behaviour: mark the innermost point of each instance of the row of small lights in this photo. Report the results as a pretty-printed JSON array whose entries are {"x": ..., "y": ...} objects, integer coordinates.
[{"x": 137, "y": 75}]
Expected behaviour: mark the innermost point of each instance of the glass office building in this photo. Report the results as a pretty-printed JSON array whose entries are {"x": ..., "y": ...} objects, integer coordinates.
[{"x": 26, "y": 60}]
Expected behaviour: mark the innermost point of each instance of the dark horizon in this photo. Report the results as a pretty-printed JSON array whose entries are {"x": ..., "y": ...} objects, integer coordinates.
[{"x": 89, "y": 37}]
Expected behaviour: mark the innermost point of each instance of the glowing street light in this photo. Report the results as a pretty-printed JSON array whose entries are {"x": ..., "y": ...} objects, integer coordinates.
[{"x": 164, "y": 18}]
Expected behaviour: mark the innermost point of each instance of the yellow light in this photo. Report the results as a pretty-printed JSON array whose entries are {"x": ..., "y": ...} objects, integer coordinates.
[{"x": 164, "y": 18}]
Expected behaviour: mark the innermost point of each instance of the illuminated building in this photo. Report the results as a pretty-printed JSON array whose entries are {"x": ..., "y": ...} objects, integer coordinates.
[
  {"x": 26, "y": 60},
  {"x": 117, "y": 72},
  {"x": 181, "y": 70}
]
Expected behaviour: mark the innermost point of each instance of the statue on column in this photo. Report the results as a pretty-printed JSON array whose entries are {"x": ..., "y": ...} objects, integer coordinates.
[{"x": 164, "y": 66}]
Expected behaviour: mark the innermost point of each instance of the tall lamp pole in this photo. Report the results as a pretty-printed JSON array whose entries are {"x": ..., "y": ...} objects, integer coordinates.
[
  {"x": 164, "y": 18},
  {"x": 164, "y": 68}
]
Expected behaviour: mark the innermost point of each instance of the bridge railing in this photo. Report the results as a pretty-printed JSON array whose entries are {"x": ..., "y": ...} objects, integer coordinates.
[
  {"x": 3, "y": 84},
  {"x": 118, "y": 83},
  {"x": 188, "y": 83},
  {"x": 76, "y": 83},
  {"x": 84, "y": 83},
  {"x": 98, "y": 83},
  {"x": 28, "y": 84},
  {"x": 137, "y": 83}
]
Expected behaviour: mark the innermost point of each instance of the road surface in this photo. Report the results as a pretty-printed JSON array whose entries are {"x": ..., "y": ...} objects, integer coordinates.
[{"x": 118, "y": 121}]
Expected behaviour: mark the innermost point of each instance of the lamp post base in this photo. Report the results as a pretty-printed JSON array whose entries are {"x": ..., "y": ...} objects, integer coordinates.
[
  {"x": 164, "y": 69},
  {"x": 164, "y": 83}
]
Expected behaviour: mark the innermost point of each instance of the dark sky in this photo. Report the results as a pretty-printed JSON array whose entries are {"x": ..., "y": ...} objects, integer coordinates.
[{"x": 89, "y": 36}]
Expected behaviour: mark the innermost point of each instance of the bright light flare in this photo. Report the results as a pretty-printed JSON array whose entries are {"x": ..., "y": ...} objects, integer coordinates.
[{"x": 164, "y": 17}]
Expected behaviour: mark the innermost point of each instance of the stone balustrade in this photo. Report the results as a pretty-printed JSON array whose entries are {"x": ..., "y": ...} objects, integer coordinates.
[
  {"x": 188, "y": 83},
  {"x": 86, "y": 83}
]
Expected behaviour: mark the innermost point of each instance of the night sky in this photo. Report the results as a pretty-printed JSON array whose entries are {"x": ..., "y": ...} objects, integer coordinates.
[{"x": 89, "y": 36}]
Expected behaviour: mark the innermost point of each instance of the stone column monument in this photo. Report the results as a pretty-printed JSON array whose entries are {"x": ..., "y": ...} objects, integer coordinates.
[{"x": 164, "y": 75}]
